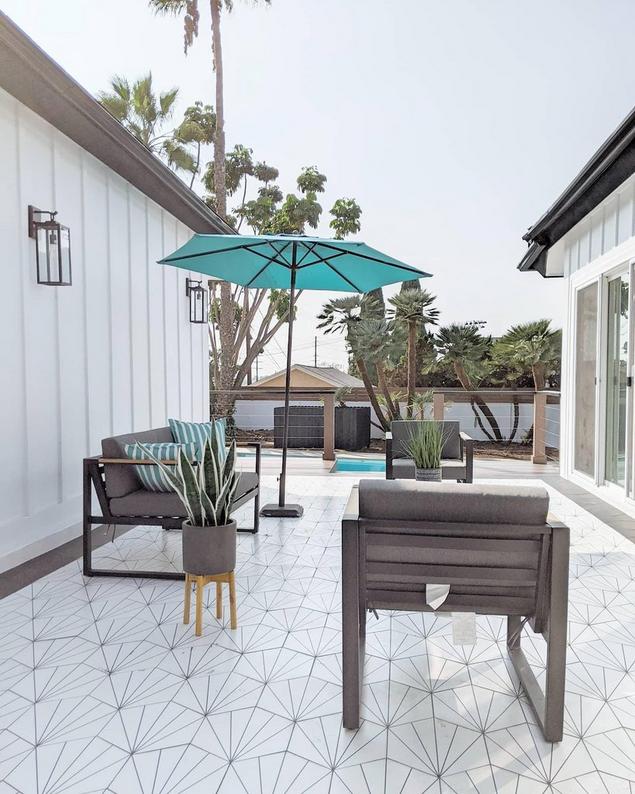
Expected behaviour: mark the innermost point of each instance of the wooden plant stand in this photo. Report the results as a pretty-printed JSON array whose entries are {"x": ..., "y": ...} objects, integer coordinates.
[{"x": 200, "y": 582}]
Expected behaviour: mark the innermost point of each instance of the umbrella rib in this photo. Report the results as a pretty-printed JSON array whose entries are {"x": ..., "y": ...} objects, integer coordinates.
[
  {"x": 377, "y": 259},
  {"x": 245, "y": 247},
  {"x": 342, "y": 276},
  {"x": 305, "y": 254},
  {"x": 259, "y": 273},
  {"x": 324, "y": 260}
]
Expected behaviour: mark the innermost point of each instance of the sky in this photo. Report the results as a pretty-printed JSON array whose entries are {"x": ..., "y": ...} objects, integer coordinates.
[{"x": 454, "y": 124}]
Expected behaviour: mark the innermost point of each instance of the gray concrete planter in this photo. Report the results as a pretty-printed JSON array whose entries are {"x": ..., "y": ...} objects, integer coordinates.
[
  {"x": 428, "y": 475},
  {"x": 209, "y": 550}
]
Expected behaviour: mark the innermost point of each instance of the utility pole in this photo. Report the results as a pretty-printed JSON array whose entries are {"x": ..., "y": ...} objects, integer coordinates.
[
  {"x": 256, "y": 363},
  {"x": 315, "y": 351},
  {"x": 248, "y": 335}
]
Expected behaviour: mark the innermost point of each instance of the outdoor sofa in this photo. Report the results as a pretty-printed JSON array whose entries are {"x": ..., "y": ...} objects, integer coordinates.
[
  {"x": 493, "y": 545},
  {"x": 123, "y": 500},
  {"x": 457, "y": 456}
]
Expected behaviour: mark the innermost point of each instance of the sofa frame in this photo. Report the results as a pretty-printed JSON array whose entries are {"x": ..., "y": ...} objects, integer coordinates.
[{"x": 94, "y": 478}]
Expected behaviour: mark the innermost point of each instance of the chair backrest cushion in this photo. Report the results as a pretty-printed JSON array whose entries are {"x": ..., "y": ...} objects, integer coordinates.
[
  {"x": 122, "y": 480},
  {"x": 458, "y": 503},
  {"x": 403, "y": 430}
]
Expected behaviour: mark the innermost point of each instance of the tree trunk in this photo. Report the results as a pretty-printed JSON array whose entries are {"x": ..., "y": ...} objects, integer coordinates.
[
  {"x": 512, "y": 435},
  {"x": 219, "y": 134},
  {"x": 538, "y": 371},
  {"x": 383, "y": 384},
  {"x": 363, "y": 371},
  {"x": 464, "y": 380},
  {"x": 461, "y": 375},
  {"x": 412, "y": 365},
  {"x": 224, "y": 400},
  {"x": 491, "y": 419}
]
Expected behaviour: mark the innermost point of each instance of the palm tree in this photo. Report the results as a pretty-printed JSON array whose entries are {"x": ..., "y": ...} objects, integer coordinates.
[
  {"x": 190, "y": 11},
  {"x": 534, "y": 347},
  {"x": 372, "y": 335},
  {"x": 466, "y": 350},
  {"x": 144, "y": 114},
  {"x": 342, "y": 315},
  {"x": 413, "y": 308}
]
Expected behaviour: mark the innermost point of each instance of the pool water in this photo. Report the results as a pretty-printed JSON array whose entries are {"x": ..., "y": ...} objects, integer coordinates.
[{"x": 359, "y": 464}]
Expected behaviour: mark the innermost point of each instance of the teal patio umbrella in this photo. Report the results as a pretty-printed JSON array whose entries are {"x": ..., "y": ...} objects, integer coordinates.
[{"x": 290, "y": 262}]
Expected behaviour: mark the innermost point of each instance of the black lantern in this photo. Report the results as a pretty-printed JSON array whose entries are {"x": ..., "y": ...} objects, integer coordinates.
[
  {"x": 52, "y": 248},
  {"x": 198, "y": 300}
]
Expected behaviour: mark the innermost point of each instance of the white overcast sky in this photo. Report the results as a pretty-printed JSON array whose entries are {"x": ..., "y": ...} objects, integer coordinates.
[{"x": 454, "y": 124}]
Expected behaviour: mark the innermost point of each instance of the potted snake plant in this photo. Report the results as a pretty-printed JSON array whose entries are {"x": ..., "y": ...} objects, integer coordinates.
[
  {"x": 207, "y": 493},
  {"x": 425, "y": 446}
]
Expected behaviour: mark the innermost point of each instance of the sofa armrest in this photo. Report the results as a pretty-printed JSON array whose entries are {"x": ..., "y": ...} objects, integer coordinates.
[{"x": 389, "y": 474}]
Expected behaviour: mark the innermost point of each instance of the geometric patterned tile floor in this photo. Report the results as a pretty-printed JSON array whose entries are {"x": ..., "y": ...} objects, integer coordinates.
[{"x": 103, "y": 689}]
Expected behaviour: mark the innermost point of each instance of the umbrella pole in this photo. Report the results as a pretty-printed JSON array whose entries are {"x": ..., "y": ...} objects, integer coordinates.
[{"x": 282, "y": 510}]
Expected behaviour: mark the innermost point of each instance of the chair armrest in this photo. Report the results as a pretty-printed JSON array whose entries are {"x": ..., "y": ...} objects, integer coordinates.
[
  {"x": 351, "y": 511},
  {"x": 467, "y": 452}
]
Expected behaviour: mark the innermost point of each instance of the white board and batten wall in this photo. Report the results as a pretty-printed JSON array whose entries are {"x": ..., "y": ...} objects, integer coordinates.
[{"x": 113, "y": 353}]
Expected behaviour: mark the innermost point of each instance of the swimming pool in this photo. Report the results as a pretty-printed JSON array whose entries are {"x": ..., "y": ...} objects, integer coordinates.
[{"x": 359, "y": 464}]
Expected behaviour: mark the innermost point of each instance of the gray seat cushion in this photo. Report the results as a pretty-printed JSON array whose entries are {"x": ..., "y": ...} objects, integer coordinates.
[
  {"x": 168, "y": 505},
  {"x": 123, "y": 479},
  {"x": 402, "y": 431},
  {"x": 453, "y": 502},
  {"x": 404, "y": 469}
]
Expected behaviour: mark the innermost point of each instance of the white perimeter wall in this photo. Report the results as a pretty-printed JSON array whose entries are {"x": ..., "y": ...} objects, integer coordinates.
[
  {"x": 112, "y": 353},
  {"x": 258, "y": 415}
]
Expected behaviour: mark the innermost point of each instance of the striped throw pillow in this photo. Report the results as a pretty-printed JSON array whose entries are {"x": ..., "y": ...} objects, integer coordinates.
[
  {"x": 197, "y": 433},
  {"x": 152, "y": 477}
]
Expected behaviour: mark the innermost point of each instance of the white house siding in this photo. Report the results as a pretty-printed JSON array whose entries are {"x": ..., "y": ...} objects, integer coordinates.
[
  {"x": 112, "y": 353},
  {"x": 601, "y": 242}
]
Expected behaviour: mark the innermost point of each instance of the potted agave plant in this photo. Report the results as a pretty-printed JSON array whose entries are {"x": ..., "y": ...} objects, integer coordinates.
[
  {"x": 425, "y": 446},
  {"x": 207, "y": 493}
]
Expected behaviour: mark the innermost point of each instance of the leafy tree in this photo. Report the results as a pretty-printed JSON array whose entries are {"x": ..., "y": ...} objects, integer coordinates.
[
  {"x": 346, "y": 214},
  {"x": 532, "y": 347},
  {"x": 413, "y": 308},
  {"x": 197, "y": 129}
]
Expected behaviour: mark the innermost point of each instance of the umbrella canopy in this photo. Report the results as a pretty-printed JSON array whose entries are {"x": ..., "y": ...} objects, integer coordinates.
[
  {"x": 293, "y": 262},
  {"x": 268, "y": 261}
]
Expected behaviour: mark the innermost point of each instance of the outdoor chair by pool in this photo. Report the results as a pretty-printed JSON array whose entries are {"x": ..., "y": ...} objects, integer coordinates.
[
  {"x": 123, "y": 499},
  {"x": 456, "y": 457},
  {"x": 493, "y": 545}
]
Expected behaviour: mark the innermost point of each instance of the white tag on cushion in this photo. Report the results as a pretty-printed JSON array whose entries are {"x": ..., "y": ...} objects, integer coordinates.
[
  {"x": 463, "y": 628},
  {"x": 436, "y": 594}
]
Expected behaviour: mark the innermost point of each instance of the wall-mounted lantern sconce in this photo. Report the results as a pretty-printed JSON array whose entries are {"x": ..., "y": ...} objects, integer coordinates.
[
  {"x": 198, "y": 300},
  {"x": 52, "y": 248}
]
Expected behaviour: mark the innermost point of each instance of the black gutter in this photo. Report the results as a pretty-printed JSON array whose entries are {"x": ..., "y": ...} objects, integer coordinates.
[
  {"x": 37, "y": 81},
  {"x": 610, "y": 166}
]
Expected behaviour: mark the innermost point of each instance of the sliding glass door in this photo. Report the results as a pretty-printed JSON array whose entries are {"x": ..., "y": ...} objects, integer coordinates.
[
  {"x": 616, "y": 380},
  {"x": 585, "y": 379}
]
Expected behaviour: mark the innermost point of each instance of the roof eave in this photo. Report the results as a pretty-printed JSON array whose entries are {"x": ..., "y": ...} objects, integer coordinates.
[{"x": 37, "y": 81}]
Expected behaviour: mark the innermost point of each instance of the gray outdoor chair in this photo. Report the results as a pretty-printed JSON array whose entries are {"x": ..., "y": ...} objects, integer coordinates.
[
  {"x": 457, "y": 457},
  {"x": 493, "y": 545}
]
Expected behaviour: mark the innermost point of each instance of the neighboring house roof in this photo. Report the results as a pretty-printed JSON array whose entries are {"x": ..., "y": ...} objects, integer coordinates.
[
  {"x": 330, "y": 375},
  {"x": 611, "y": 165},
  {"x": 41, "y": 84}
]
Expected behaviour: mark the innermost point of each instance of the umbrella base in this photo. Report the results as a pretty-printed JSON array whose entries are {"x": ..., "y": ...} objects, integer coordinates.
[{"x": 274, "y": 510}]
